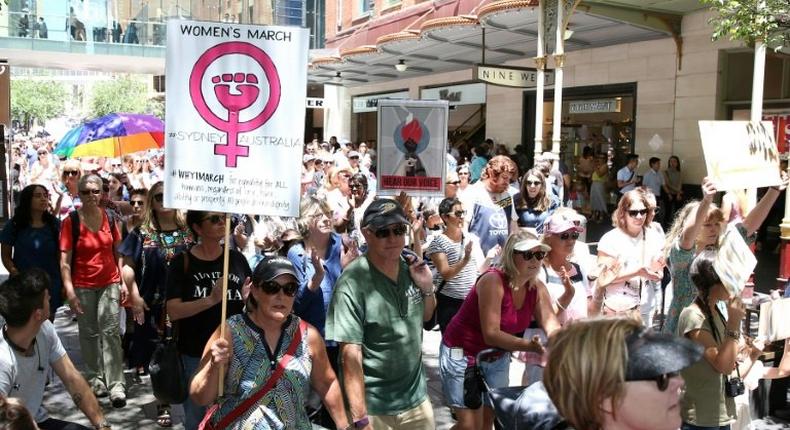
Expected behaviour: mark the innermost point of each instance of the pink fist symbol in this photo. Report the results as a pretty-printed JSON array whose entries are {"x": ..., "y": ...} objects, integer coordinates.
[{"x": 246, "y": 86}]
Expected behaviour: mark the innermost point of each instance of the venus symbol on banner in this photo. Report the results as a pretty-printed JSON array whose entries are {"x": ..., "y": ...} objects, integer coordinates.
[{"x": 247, "y": 93}]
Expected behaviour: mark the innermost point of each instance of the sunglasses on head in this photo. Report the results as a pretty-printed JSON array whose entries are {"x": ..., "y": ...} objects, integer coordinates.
[
  {"x": 662, "y": 381},
  {"x": 71, "y": 172},
  {"x": 273, "y": 288},
  {"x": 566, "y": 236},
  {"x": 88, "y": 192},
  {"x": 136, "y": 203},
  {"x": 398, "y": 230},
  {"x": 527, "y": 255},
  {"x": 635, "y": 213},
  {"x": 159, "y": 197},
  {"x": 214, "y": 219}
]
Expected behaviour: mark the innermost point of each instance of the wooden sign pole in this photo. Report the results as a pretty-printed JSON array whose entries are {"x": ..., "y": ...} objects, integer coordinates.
[{"x": 225, "y": 260}]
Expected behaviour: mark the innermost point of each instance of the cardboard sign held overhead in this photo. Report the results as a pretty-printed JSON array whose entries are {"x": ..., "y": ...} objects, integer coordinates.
[
  {"x": 740, "y": 154},
  {"x": 734, "y": 262},
  {"x": 235, "y": 117}
]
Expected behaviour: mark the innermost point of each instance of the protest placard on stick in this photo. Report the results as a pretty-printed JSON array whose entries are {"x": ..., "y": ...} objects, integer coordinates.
[{"x": 234, "y": 121}]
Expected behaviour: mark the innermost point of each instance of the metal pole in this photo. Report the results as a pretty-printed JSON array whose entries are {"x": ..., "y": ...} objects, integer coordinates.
[
  {"x": 540, "y": 63},
  {"x": 559, "y": 60}
]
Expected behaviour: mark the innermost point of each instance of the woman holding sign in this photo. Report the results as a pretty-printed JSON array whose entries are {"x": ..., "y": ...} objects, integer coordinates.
[
  {"x": 270, "y": 360},
  {"x": 699, "y": 225},
  {"x": 194, "y": 294}
]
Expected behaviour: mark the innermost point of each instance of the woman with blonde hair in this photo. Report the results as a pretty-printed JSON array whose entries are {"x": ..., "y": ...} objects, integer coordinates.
[
  {"x": 147, "y": 252},
  {"x": 698, "y": 225},
  {"x": 602, "y": 373},
  {"x": 631, "y": 259},
  {"x": 68, "y": 198},
  {"x": 337, "y": 192},
  {"x": 501, "y": 305}
]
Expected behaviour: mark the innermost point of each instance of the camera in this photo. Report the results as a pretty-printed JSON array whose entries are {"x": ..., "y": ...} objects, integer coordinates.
[{"x": 733, "y": 387}]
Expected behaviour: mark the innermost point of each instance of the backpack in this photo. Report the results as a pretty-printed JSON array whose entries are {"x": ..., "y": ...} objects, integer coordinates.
[{"x": 74, "y": 216}]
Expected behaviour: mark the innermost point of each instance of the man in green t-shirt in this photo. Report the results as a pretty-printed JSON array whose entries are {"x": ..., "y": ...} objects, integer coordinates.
[{"x": 378, "y": 307}]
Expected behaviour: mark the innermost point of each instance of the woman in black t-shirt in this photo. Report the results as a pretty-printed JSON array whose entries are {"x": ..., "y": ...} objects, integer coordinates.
[{"x": 194, "y": 294}]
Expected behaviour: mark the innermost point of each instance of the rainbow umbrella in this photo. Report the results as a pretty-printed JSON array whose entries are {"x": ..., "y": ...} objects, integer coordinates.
[{"x": 113, "y": 135}]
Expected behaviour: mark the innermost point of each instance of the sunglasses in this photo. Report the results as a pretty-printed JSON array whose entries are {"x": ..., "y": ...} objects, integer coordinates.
[
  {"x": 159, "y": 197},
  {"x": 318, "y": 162},
  {"x": 458, "y": 214},
  {"x": 527, "y": 255},
  {"x": 89, "y": 192},
  {"x": 214, "y": 219},
  {"x": 533, "y": 183},
  {"x": 463, "y": 173},
  {"x": 42, "y": 153},
  {"x": 71, "y": 172},
  {"x": 454, "y": 183},
  {"x": 398, "y": 230},
  {"x": 273, "y": 288},
  {"x": 662, "y": 381},
  {"x": 136, "y": 203},
  {"x": 566, "y": 236},
  {"x": 635, "y": 213},
  {"x": 353, "y": 158}
]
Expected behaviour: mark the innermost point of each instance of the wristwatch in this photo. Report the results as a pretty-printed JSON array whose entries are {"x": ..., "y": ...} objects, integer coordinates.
[
  {"x": 733, "y": 334},
  {"x": 362, "y": 422}
]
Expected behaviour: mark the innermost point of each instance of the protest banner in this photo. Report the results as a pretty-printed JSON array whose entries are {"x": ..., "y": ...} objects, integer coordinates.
[
  {"x": 235, "y": 117},
  {"x": 412, "y": 147},
  {"x": 234, "y": 122},
  {"x": 740, "y": 154}
]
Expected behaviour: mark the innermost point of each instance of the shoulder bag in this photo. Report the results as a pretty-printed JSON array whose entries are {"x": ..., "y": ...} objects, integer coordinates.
[{"x": 252, "y": 400}]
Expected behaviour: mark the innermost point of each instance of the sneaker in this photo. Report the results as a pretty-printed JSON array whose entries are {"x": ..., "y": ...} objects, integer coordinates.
[
  {"x": 99, "y": 390},
  {"x": 118, "y": 399}
]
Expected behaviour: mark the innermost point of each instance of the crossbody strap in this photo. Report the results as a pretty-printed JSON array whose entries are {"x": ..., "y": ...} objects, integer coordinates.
[{"x": 252, "y": 400}]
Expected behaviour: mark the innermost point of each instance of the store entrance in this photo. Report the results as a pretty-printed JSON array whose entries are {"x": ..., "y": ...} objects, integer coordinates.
[{"x": 601, "y": 117}]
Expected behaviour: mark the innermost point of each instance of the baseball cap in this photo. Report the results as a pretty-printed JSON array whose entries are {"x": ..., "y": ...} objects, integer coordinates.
[
  {"x": 530, "y": 241},
  {"x": 383, "y": 212},
  {"x": 557, "y": 224},
  {"x": 652, "y": 354},
  {"x": 308, "y": 157},
  {"x": 549, "y": 156},
  {"x": 353, "y": 154},
  {"x": 271, "y": 268}
]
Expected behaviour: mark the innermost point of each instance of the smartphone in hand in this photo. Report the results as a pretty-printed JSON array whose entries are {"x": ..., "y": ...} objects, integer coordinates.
[{"x": 409, "y": 255}]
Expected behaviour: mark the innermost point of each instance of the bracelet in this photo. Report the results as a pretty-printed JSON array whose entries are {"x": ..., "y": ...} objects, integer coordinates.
[
  {"x": 735, "y": 335},
  {"x": 361, "y": 423}
]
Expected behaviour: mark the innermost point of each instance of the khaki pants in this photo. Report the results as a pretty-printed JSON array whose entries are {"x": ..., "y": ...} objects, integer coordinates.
[
  {"x": 100, "y": 338},
  {"x": 419, "y": 417}
]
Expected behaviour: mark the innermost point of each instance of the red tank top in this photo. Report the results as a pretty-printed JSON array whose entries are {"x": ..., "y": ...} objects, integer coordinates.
[{"x": 465, "y": 331}]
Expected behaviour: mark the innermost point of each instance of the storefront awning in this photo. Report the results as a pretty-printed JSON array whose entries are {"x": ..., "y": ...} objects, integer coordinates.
[{"x": 451, "y": 43}]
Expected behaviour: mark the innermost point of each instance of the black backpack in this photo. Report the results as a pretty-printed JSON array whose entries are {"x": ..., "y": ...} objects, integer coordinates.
[{"x": 74, "y": 216}]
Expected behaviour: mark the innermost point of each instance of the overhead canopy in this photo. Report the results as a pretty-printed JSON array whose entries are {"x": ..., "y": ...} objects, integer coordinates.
[{"x": 455, "y": 42}]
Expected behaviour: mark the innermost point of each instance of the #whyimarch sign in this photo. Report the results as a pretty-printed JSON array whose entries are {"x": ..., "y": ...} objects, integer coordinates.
[{"x": 235, "y": 117}]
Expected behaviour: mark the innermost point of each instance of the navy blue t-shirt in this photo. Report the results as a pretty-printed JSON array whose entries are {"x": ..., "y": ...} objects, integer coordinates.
[{"x": 37, "y": 247}]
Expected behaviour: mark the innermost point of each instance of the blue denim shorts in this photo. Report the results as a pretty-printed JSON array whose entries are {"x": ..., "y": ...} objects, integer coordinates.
[{"x": 496, "y": 373}]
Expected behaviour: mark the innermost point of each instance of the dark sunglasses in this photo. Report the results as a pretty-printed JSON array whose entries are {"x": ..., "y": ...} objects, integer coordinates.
[
  {"x": 214, "y": 219},
  {"x": 454, "y": 183},
  {"x": 42, "y": 153},
  {"x": 566, "y": 236},
  {"x": 527, "y": 255},
  {"x": 662, "y": 381},
  {"x": 136, "y": 203},
  {"x": 88, "y": 192},
  {"x": 642, "y": 212},
  {"x": 71, "y": 172},
  {"x": 273, "y": 288},
  {"x": 159, "y": 197},
  {"x": 463, "y": 173},
  {"x": 398, "y": 230},
  {"x": 318, "y": 161},
  {"x": 533, "y": 183},
  {"x": 458, "y": 214}
]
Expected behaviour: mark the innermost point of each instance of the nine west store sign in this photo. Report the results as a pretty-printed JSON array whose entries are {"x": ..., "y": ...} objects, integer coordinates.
[
  {"x": 457, "y": 95},
  {"x": 519, "y": 77}
]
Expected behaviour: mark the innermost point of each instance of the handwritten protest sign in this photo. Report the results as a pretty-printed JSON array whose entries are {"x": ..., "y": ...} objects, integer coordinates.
[
  {"x": 235, "y": 117},
  {"x": 412, "y": 147},
  {"x": 734, "y": 261},
  {"x": 740, "y": 154}
]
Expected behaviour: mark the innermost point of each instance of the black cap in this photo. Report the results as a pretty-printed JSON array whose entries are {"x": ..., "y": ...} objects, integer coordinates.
[
  {"x": 271, "y": 268},
  {"x": 383, "y": 212},
  {"x": 652, "y": 354}
]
